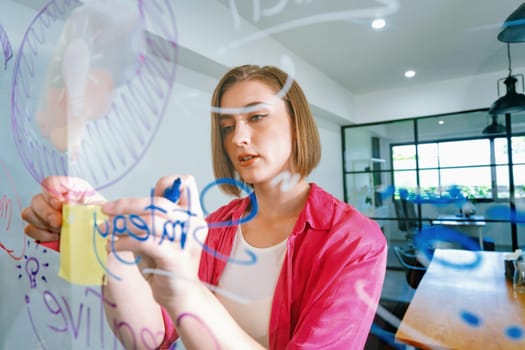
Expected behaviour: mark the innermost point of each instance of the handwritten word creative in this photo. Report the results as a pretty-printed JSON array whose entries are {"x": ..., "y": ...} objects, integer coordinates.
[
  {"x": 82, "y": 321},
  {"x": 61, "y": 319}
]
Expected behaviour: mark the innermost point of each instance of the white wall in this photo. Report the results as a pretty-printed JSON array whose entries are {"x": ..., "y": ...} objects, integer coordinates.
[
  {"x": 436, "y": 98},
  {"x": 229, "y": 46}
]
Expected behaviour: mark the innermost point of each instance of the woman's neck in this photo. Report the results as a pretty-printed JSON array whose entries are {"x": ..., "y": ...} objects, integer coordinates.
[
  {"x": 277, "y": 214},
  {"x": 275, "y": 202}
]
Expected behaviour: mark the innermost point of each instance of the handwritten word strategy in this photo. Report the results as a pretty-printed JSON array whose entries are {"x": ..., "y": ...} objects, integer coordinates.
[{"x": 172, "y": 230}]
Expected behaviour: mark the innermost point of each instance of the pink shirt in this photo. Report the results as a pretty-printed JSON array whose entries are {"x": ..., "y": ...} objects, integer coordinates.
[{"x": 331, "y": 279}]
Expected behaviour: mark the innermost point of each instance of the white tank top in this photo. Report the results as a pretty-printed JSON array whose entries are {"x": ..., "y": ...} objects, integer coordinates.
[{"x": 255, "y": 283}]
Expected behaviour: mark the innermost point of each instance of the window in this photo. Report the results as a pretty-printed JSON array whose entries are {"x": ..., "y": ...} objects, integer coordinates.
[
  {"x": 464, "y": 164},
  {"x": 438, "y": 161}
]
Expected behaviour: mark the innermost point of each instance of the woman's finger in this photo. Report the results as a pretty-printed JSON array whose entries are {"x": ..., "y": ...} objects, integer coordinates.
[
  {"x": 42, "y": 215},
  {"x": 153, "y": 206},
  {"x": 60, "y": 189},
  {"x": 196, "y": 235},
  {"x": 164, "y": 183},
  {"x": 145, "y": 252},
  {"x": 41, "y": 235}
]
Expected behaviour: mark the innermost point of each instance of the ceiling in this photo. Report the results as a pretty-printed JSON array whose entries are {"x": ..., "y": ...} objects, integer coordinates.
[{"x": 440, "y": 39}]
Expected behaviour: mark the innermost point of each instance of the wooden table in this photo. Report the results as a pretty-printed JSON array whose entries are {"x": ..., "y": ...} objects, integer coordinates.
[
  {"x": 472, "y": 226},
  {"x": 465, "y": 308}
]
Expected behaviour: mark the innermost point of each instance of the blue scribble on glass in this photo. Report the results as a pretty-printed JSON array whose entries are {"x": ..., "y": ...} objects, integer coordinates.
[
  {"x": 470, "y": 318},
  {"x": 500, "y": 212},
  {"x": 514, "y": 332},
  {"x": 430, "y": 237},
  {"x": 242, "y": 186},
  {"x": 252, "y": 258},
  {"x": 452, "y": 195}
]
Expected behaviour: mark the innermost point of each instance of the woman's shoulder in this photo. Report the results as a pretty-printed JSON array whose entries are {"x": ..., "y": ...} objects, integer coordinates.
[
  {"x": 321, "y": 201},
  {"x": 334, "y": 213}
]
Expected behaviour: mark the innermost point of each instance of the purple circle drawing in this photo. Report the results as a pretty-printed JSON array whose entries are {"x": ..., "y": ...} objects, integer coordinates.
[{"x": 90, "y": 87}]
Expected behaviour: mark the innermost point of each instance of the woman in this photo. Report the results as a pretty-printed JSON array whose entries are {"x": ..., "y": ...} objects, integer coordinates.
[{"x": 291, "y": 267}]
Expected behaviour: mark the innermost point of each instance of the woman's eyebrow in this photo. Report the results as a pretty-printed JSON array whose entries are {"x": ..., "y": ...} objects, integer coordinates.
[
  {"x": 250, "y": 107},
  {"x": 223, "y": 117}
]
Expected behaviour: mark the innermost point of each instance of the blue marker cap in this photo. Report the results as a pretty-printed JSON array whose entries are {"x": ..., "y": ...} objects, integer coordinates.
[{"x": 173, "y": 192}]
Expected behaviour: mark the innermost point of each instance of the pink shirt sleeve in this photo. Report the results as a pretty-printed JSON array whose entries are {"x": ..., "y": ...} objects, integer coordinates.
[
  {"x": 170, "y": 333},
  {"x": 54, "y": 245},
  {"x": 342, "y": 314},
  {"x": 341, "y": 277}
]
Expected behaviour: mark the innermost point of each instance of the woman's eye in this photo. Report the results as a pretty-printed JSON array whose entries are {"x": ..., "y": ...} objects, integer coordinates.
[
  {"x": 226, "y": 129},
  {"x": 257, "y": 117}
]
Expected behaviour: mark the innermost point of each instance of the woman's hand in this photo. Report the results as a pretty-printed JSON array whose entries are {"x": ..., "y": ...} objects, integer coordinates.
[
  {"x": 44, "y": 215},
  {"x": 167, "y": 254}
]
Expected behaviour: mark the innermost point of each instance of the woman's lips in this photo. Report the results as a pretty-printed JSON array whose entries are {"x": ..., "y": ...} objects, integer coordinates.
[{"x": 246, "y": 160}]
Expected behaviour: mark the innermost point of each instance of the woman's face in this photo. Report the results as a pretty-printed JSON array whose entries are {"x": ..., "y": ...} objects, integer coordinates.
[{"x": 257, "y": 136}]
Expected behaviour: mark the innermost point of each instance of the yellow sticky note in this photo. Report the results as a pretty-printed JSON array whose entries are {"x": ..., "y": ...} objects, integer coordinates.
[{"x": 82, "y": 249}]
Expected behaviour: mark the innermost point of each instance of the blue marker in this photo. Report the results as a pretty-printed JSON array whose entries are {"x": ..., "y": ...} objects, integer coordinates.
[{"x": 173, "y": 194}]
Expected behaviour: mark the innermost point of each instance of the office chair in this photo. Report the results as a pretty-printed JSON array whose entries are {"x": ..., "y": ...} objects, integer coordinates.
[
  {"x": 414, "y": 270},
  {"x": 407, "y": 218}
]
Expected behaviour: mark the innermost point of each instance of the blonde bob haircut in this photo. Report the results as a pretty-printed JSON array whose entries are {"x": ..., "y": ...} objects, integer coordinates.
[{"x": 306, "y": 147}]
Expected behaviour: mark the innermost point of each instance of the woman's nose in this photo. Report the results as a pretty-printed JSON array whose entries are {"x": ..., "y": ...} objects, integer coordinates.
[{"x": 241, "y": 134}]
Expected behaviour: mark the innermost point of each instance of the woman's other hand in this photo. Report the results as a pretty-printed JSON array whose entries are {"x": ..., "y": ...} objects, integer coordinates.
[
  {"x": 44, "y": 214},
  {"x": 167, "y": 253}
]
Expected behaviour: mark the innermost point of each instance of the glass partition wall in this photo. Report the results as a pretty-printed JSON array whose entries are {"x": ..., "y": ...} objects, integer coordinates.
[{"x": 437, "y": 164}]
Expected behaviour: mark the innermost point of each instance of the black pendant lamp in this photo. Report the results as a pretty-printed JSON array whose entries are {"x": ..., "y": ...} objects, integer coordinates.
[
  {"x": 495, "y": 127},
  {"x": 513, "y": 101},
  {"x": 514, "y": 27}
]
